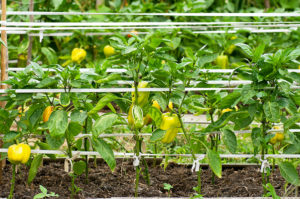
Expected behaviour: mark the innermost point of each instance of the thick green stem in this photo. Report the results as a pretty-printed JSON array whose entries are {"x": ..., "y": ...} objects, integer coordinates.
[
  {"x": 155, "y": 152},
  {"x": 13, "y": 180},
  {"x": 199, "y": 181},
  {"x": 73, "y": 186},
  {"x": 86, "y": 148},
  {"x": 137, "y": 168},
  {"x": 263, "y": 154},
  {"x": 273, "y": 164},
  {"x": 146, "y": 172}
]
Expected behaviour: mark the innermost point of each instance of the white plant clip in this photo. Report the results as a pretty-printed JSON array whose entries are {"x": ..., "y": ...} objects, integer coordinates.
[
  {"x": 67, "y": 168},
  {"x": 264, "y": 165},
  {"x": 41, "y": 34},
  {"x": 196, "y": 163},
  {"x": 136, "y": 161}
]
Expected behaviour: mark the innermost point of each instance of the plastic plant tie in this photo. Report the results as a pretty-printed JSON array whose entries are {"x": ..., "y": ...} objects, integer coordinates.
[
  {"x": 41, "y": 35},
  {"x": 136, "y": 161},
  {"x": 68, "y": 160},
  {"x": 196, "y": 163},
  {"x": 264, "y": 166}
]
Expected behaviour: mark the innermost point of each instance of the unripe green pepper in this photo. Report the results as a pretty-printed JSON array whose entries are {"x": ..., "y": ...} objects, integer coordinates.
[
  {"x": 18, "y": 153},
  {"x": 222, "y": 61}
]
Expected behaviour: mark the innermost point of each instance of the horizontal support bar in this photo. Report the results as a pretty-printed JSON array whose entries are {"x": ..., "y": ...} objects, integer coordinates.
[
  {"x": 59, "y": 152},
  {"x": 286, "y": 14},
  {"x": 118, "y": 90}
]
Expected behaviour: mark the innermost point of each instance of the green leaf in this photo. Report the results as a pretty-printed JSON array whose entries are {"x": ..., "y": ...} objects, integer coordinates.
[
  {"x": 79, "y": 167},
  {"x": 103, "y": 102},
  {"x": 104, "y": 122},
  {"x": 230, "y": 99},
  {"x": 35, "y": 113},
  {"x": 64, "y": 99},
  {"x": 156, "y": 115},
  {"x": 255, "y": 136},
  {"x": 39, "y": 196},
  {"x": 289, "y": 173},
  {"x": 229, "y": 139},
  {"x": 50, "y": 55},
  {"x": 46, "y": 146},
  {"x": 10, "y": 136},
  {"x": 157, "y": 135},
  {"x": 272, "y": 111},
  {"x": 74, "y": 128},
  {"x": 247, "y": 49},
  {"x": 55, "y": 142},
  {"x": 105, "y": 151},
  {"x": 214, "y": 162},
  {"x": 58, "y": 123},
  {"x": 43, "y": 189},
  {"x": 78, "y": 116},
  {"x": 35, "y": 164},
  {"x": 258, "y": 52},
  {"x": 56, "y": 3},
  {"x": 47, "y": 82}
]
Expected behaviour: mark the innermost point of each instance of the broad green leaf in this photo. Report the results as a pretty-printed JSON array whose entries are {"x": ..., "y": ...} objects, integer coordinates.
[
  {"x": 289, "y": 173},
  {"x": 50, "y": 55},
  {"x": 157, "y": 135},
  {"x": 47, "y": 82},
  {"x": 230, "y": 99},
  {"x": 79, "y": 167},
  {"x": 229, "y": 139},
  {"x": 272, "y": 111},
  {"x": 35, "y": 113},
  {"x": 78, "y": 116},
  {"x": 255, "y": 136},
  {"x": 104, "y": 122},
  {"x": 258, "y": 52},
  {"x": 10, "y": 136},
  {"x": 55, "y": 142},
  {"x": 103, "y": 102},
  {"x": 46, "y": 146},
  {"x": 247, "y": 49},
  {"x": 214, "y": 162},
  {"x": 156, "y": 115},
  {"x": 35, "y": 164},
  {"x": 74, "y": 128},
  {"x": 56, "y": 3},
  {"x": 105, "y": 151},
  {"x": 58, "y": 123}
]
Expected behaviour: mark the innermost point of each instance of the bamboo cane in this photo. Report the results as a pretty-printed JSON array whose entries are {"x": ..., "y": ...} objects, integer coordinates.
[{"x": 4, "y": 66}]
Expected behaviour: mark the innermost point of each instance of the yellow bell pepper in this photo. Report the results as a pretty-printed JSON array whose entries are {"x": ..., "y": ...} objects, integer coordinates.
[
  {"x": 19, "y": 153},
  {"x": 171, "y": 124},
  {"x": 108, "y": 50},
  {"x": 78, "y": 54},
  {"x": 142, "y": 96},
  {"x": 47, "y": 113},
  {"x": 147, "y": 118}
]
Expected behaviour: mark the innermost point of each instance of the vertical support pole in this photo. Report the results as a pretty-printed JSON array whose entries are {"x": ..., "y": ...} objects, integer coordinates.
[
  {"x": 4, "y": 66},
  {"x": 30, "y": 38}
]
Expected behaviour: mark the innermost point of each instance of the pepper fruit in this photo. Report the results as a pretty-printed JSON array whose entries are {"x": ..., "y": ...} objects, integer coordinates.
[
  {"x": 222, "y": 61},
  {"x": 147, "y": 119},
  {"x": 231, "y": 48},
  {"x": 78, "y": 54},
  {"x": 131, "y": 33},
  {"x": 171, "y": 124},
  {"x": 108, "y": 51},
  {"x": 21, "y": 111},
  {"x": 142, "y": 96},
  {"x": 279, "y": 136},
  {"x": 228, "y": 110},
  {"x": 19, "y": 153},
  {"x": 135, "y": 117},
  {"x": 47, "y": 112}
]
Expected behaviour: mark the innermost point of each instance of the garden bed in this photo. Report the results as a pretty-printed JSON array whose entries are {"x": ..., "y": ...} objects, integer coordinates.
[{"x": 236, "y": 181}]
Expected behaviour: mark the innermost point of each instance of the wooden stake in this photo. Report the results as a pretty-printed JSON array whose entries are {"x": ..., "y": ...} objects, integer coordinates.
[
  {"x": 31, "y": 18},
  {"x": 4, "y": 66}
]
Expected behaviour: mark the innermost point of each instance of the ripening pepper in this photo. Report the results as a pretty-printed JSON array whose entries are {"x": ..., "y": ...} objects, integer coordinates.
[
  {"x": 147, "y": 118},
  {"x": 78, "y": 54},
  {"x": 133, "y": 32},
  {"x": 138, "y": 121},
  {"x": 19, "y": 153},
  {"x": 142, "y": 96},
  {"x": 231, "y": 48},
  {"x": 222, "y": 61},
  {"x": 108, "y": 51},
  {"x": 171, "y": 124},
  {"x": 47, "y": 112}
]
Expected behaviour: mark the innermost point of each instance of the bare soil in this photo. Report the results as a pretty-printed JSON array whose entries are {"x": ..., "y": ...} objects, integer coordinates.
[{"x": 235, "y": 182}]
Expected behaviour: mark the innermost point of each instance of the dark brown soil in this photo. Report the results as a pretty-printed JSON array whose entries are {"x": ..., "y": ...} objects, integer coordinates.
[{"x": 235, "y": 182}]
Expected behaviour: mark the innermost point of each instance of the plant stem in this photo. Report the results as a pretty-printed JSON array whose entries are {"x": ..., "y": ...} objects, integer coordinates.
[
  {"x": 86, "y": 157},
  {"x": 73, "y": 186},
  {"x": 273, "y": 165},
  {"x": 13, "y": 180},
  {"x": 137, "y": 169},
  {"x": 199, "y": 181}
]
